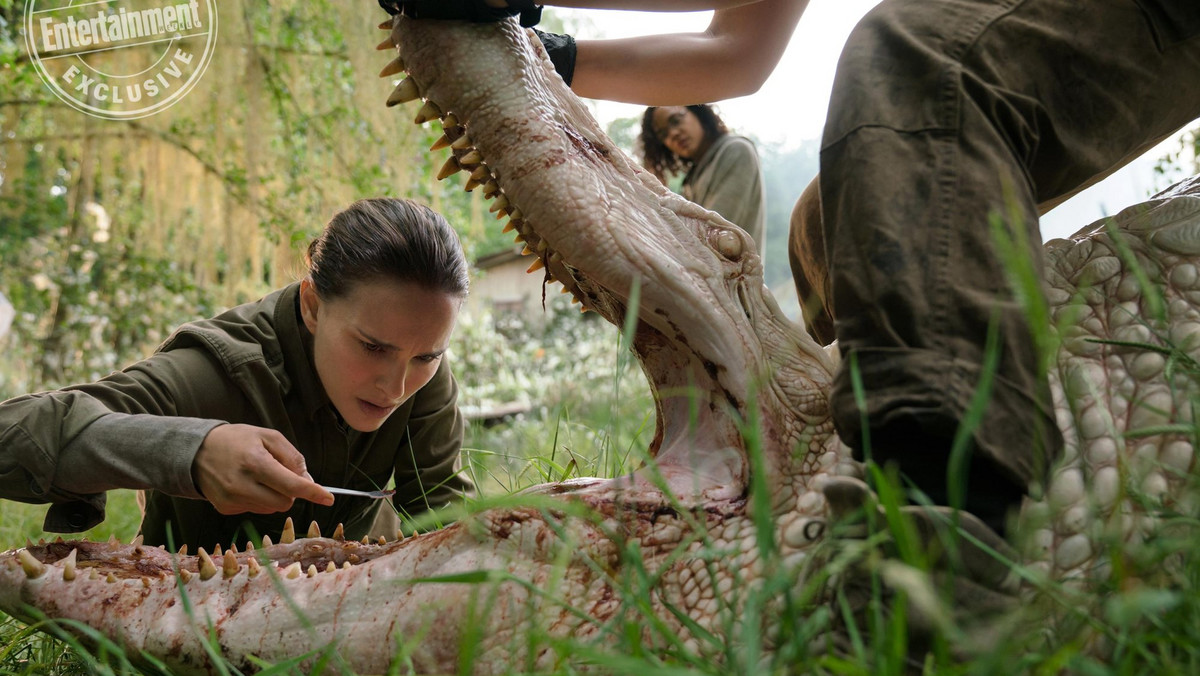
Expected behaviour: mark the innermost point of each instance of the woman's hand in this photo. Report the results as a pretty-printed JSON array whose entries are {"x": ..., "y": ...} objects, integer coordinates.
[{"x": 243, "y": 468}]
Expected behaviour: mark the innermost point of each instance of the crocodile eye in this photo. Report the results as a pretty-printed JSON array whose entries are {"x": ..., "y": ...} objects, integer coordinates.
[{"x": 727, "y": 243}]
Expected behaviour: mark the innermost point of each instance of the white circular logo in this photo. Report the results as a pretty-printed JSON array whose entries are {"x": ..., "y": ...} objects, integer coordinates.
[{"x": 120, "y": 59}]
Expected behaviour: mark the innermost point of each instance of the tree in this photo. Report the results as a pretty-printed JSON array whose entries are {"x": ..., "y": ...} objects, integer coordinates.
[{"x": 204, "y": 205}]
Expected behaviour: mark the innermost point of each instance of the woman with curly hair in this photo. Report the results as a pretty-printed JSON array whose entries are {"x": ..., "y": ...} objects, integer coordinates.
[{"x": 722, "y": 169}]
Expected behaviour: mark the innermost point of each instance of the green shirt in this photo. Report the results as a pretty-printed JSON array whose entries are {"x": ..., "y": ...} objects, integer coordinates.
[
  {"x": 141, "y": 428},
  {"x": 728, "y": 180}
]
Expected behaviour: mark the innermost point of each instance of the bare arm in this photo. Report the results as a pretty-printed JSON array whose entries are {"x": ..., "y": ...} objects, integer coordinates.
[
  {"x": 733, "y": 57},
  {"x": 647, "y": 5}
]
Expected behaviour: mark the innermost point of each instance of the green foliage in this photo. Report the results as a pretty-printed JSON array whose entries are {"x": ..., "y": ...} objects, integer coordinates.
[
  {"x": 1180, "y": 162},
  {"x": 88, "y": 301},
  {"x": 624, "y": 132},
  {"x": 588, "y": 406}
]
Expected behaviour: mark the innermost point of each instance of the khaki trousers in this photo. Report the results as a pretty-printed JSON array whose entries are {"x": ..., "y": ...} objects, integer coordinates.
[{"x": 945, "y": 115}]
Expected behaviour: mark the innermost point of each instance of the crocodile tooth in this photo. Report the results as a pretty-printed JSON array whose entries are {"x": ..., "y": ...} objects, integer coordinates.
[
  {"x": 451, "y": 120},
  {"x": 491, "y": 188},
  {"x": 500, "y": 203},
  {"x": 536, "y": 265},
  {"x": 110, "y": 578},
  {"x": 207, "y": 567},
  {"x": 312, "y": 570},
  {"x": 146, "y": 582},
  {"x": 217, "y": 551},
  {"x": 450, "y": 168},
  {"x": 59, "y": 540},
  {"x": 399, "y": 535},
  {"x": 442, "y": 142},
  {"x": 137, "y": 541},
  {"x": 139, "y": 552},
  {"x": 461, "y": 143},
  {"x": 555, "y": 257},
  {"x": 396, "y": 65},
  {"x": 249, "y": 546},
  {"x": 429, "y": 111},
  {"x": 564, "y": 288},
  {"x": 42, "y": 541},
  {"x": 345, "y": 565},
  {"x": 365, "y": 540},
  {"x": 472, "y": 184},
  {"x": 252, "y": 567},
  {"x": 233, "y": 548},
  {"x": 382, "y": 540},
  {"x": 509, "y": 227},
  {"x": 32, "y": 567},
  {"x": 183, "y": 550},
  {"x": 542, "y": 247},
  {"x": 471, "y": 157},
  {"x": 404, "y": 92},
  {"x": 518, "y": 238},
  {"x": 481, "y": 173},
  {"x": 386, "y": 25},
  {"x": 353, "y": 558},
  {"x": 163, "y": 547},
  {"x": 184, "y": 574},
  {"x": 386, "y": 44},
  {"x": 314, "y": 531},
  {"x": 289, "y": 532},
  {"x": 339, "y": 533},
  {"x": 267, "y": 541},
  {"x": 230, "y": 565},
  {"x": 330, "y": 567},
  {"x": 575, "y": 299},
  {"x": 112, "y": 541},
  {"x": 69, "y": 566},
  {"x": 517, "y": 215},
  {"x": 293, "y": 571}
]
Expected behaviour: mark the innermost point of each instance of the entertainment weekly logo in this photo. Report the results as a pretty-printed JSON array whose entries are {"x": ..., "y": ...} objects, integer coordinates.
[{"x": 120, "y": 59}]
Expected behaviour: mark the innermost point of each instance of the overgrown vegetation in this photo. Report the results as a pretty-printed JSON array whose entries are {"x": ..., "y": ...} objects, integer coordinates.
[{"x": 101, "y": 250}]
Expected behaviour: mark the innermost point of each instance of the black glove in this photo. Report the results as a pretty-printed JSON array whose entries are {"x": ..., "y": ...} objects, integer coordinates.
[
  {"x": 476, "y": 11},
  {"x": 561, "y": 50}
]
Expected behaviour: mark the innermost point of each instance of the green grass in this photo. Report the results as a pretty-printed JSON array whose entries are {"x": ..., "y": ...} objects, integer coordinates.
[{"x": 1146, "y": 614}]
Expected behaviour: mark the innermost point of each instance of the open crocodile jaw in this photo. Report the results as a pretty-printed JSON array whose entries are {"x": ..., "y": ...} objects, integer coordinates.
[{"x": 603, "y": 226}]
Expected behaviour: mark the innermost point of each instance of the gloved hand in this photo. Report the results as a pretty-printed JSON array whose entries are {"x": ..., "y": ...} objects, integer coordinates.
[
  {"x": 477, "y": 11},
  {"x": 561, "y": 50}
]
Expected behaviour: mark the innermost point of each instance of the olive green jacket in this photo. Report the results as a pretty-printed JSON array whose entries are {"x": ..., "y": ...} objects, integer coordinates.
[{"x": 141, "y": 428}]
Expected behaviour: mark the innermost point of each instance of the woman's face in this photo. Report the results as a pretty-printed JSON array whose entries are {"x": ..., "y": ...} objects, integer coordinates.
[
  {"x": 680, "y": 131},
  {"x": 377, "y": 345}
]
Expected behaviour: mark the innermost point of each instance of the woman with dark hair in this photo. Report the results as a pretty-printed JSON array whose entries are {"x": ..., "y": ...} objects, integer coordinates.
[
  {"x": 723, "y": 172},
  {"x": 236, "y": 422}
]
